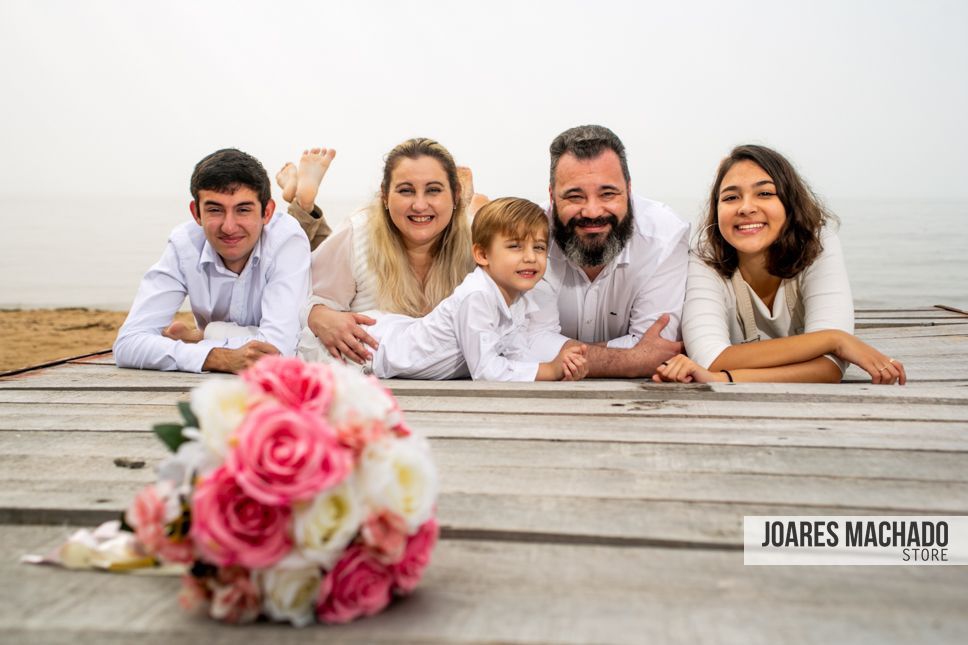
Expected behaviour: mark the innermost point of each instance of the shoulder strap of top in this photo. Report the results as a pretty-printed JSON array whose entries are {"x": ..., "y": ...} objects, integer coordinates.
[
  {"x": 744, "y": 304},
  {"x": 744, "y": 308}
]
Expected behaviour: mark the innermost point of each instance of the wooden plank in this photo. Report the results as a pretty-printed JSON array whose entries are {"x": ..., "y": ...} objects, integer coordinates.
[
  {"x": 519, "y": 412},
  {"x": 875, "y": 433},
  {"x": 483, "y": 591},
  {"x": 558, "y": 479},
  {"x": 954, "y": 393},
  {"x": 93, "y": 454}
]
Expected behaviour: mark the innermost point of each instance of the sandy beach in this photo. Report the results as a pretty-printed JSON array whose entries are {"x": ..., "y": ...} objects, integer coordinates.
[{"x": 34, "y": 336}]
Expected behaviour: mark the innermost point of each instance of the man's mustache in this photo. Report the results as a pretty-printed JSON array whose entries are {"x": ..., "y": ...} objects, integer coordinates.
[{"x": 575, "y": 222}]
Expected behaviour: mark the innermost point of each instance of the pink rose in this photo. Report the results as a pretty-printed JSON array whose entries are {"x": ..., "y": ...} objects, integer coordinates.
[
  {"x": 359, "y": 585},
  {"x": 230, "y": 527},
  {"x": 385, "y": 534},
  {"x": 355, "y": 434},
  {"x": 235, "y": 597},
  {"x": 147, "y": 516},
  {"x": 295, "y": 384},
  {"x": 194, "y": 593},
  {"x": 283, "y": 455},
  {"x": 407, "y": 572}
]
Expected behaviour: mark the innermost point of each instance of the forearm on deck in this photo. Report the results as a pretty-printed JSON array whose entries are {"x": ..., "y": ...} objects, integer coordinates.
[
  {"x": 817, "y": 370},
  {"x": 606, "y": 362},
  {"x": 777, "y": 352}
]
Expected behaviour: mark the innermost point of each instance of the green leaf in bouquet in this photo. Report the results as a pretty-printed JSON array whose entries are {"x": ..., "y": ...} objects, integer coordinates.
[
  {"x": 191, "y": 421},
  {"x": 170, "y": 435}
]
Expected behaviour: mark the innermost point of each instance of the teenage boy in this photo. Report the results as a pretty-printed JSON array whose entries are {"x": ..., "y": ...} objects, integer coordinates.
[{"x": 236, "y": 263}]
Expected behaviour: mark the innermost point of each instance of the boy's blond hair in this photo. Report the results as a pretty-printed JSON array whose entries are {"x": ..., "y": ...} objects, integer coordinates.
[{"x": 510, "y": 216}]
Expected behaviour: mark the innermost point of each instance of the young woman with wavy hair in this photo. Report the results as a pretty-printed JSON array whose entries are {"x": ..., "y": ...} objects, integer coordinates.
[{"x": 767, "y": 297}]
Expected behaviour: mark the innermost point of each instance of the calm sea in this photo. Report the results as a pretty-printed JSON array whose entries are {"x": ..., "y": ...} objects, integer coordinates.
[{"x": 92, "y": 252}]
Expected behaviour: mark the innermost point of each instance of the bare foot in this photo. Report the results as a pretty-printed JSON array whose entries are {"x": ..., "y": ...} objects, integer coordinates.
[
  {"x": 466, "y": 178},
  {"x": 180, "y": 331},
  {"x": 312, "y": 168},
  {"x": 477, "y": 202},
  {"x": 286, "y": 178}
]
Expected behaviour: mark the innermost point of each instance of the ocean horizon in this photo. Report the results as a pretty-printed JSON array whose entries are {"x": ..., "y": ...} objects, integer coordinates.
[{"x": 92, "y": 251}]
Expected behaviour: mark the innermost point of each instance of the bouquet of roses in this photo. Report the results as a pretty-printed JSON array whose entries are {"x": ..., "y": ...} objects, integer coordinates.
[{"x": 295, "y": 492}]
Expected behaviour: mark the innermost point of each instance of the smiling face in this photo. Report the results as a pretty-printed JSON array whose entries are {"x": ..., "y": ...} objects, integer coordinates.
[
  {"x": 232, "y": 223},
  {"x": 591, "y": 208},
  {"x": 749, "y": 212},
  {"x": 419, "y": 200},
  {"x": 515, "y": 263}
]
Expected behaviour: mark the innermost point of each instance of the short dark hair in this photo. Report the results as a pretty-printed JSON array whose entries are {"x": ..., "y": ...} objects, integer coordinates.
[
  {"x": 225, "y": 170},
  {"x": 799, "y": 242},
  {"x": 587, "y": 142}
]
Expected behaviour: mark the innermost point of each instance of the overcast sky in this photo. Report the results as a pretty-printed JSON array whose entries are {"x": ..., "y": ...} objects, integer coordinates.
[{"x": 867, "y": 98}]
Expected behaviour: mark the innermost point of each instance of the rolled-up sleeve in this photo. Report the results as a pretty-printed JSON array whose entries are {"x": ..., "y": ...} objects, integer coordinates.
[
  {"x": 140, "y": 344},
  {"x": 662, "y": 292},
  {"x": 705, "y": 323},
  {"x": 825, "y": 290},
  {"x": 479, "y": 337},
  {"x": 544, "y": 327},
  {"x": 333, "y": 284}
]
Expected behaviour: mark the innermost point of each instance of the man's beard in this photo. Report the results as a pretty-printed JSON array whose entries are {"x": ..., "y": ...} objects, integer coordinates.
[{"x": 599, "y": 250}]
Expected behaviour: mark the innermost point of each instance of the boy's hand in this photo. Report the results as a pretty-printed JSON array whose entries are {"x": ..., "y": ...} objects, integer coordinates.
[{"x": 573, "y": 362}]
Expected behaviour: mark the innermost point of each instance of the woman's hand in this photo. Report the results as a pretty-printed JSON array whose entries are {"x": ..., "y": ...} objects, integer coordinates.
[
  {"x": 883, "y": 370},
  {"x": 682, "y": 369},
  {"x": 341, "y": 334}
]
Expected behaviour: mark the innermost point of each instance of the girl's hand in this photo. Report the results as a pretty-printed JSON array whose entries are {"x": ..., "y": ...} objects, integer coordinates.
[
  {"x": 341, "y": 334},
  {"x": 682, "y": 369},
  {"x": 882, "y": 369}
]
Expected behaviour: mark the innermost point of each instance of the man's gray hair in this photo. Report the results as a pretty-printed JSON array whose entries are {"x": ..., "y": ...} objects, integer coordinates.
[{"x": 587, "y": 142}]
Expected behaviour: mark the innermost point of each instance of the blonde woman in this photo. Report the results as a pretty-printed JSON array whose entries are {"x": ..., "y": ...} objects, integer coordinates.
[{"x": 408, "y": 251}]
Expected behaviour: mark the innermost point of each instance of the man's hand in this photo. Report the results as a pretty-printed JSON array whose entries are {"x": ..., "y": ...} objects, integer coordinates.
[
  {"x": 236, "y": 360},
  {"x": 652, "y": 350}
]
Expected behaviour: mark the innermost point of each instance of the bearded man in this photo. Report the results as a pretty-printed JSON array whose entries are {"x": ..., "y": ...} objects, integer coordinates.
[{"x": 616, "y": 274}]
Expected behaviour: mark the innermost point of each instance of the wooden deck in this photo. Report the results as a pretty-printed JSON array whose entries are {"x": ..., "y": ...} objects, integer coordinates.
[{"x": 601, "y": 511}]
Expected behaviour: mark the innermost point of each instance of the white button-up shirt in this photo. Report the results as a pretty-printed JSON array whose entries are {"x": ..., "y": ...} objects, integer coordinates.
[
  {"x": 267, "y": 294},
  {"x": 645, "y": 280},
  {"x": 473, "y": 332}
]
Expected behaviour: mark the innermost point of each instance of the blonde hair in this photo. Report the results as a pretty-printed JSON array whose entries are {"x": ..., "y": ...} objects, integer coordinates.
[
  {"x": 510, "y": 216},
  {"x": 399, "y": 290}
]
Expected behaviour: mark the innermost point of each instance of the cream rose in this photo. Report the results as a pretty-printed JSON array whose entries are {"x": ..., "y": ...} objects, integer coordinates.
[
  {"x": 398, "y": 475},
  {"x": 326, "y": 524},
  {"x": 220, "y": 405},
  {"x": 290, "y": 590}
]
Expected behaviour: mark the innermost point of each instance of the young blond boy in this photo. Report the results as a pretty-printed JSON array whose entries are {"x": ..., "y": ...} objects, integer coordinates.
[{"x": 479, "y": 330}]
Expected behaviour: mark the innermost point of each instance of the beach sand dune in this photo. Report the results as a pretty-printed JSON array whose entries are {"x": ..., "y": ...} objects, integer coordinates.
[{"x": 34, "y": 336}]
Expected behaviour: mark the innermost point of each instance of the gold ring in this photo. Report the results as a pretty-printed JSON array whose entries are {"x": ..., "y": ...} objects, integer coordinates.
[{"x": 881, "y": 369}]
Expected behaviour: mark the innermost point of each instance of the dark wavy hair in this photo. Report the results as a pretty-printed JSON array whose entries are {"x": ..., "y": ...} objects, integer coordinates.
[
  {"x": 799, "y": 242},
  {"x": 225, "y": 170}
]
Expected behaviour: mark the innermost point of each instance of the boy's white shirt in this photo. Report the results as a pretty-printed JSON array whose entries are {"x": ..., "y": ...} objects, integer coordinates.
[
  {"x": 266, "y": 295},
  {"x": 473, "y": 332}
]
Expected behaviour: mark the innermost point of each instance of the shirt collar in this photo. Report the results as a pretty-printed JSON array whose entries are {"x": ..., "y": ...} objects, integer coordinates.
[{"x": 210, "y": 257}]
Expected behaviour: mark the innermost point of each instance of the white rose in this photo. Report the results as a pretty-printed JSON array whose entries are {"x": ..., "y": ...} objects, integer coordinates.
[
  {"x": 193, "y": 459},
  {"x": 358, "y": 399},
  {"x": 290, "y": 589},
  {"x": 399, "y": 475},
  {"x": 324, "y": 526},
  {"x": 220, "y": 405}
]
